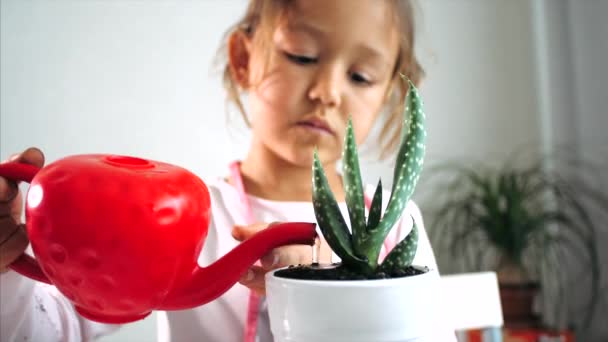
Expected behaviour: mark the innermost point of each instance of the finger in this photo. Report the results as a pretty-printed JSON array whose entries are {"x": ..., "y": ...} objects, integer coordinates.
[
  {"x": 10, "y": 200},
  {"x": 9, "y": 227},
  {"x": 286, "y": 256},
  {"x": 254, "y": 279},
  {"x": 8, "y": 190},
  {"x": 242, "y": 233},
  {"x": 16, "y": 207},
  {"x": 271, "y": 260},
  {"x": 249, "y": 276},
  {"x": 325, "y": 252},
  {"x": 10, "y": 216},
  {"x": 5, "y": 212},
  {"x": 32, "y": 156},
  {"x": 12, "y": 245}
]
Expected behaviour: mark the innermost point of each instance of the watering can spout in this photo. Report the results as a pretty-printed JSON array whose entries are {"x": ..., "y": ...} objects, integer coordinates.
[{"x": 208, "y": 283}]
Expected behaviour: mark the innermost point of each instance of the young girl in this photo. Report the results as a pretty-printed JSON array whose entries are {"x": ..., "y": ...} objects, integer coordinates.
[{"x": 306, "y": 66}]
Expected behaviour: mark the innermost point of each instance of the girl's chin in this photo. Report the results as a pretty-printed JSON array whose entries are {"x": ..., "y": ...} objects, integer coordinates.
[
  {"x": 299, "y": 151},
  {"x": 303, "y": 155}
]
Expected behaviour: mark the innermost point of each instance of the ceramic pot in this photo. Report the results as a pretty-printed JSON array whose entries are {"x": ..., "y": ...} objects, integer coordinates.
[{"x": 401, "y": 309}]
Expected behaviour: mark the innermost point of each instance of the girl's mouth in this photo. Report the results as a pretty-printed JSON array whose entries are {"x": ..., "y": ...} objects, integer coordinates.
[{"x": 317, "y": 125}]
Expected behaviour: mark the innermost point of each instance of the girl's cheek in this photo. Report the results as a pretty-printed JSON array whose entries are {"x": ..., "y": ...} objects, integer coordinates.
[
  {"x": 283, "y": 87},
  {"x": 365, "y": 115},
  {"x": 274, "y": 97},
  {"x": 268, "y": 90},
  {"x": 362, "y": 131}
]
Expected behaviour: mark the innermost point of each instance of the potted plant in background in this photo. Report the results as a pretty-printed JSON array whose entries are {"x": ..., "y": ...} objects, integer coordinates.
[
  {"x": 361, "y": 298},
  {"x": 535, "y": 227}
]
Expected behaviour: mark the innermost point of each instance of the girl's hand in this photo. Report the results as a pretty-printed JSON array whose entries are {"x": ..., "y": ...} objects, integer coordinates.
[
  {"x": 277, "y": 258},
  {"x": 13, "y": 237}
]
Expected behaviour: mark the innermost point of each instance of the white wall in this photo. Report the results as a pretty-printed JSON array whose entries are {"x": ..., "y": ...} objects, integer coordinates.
[
  {"x": 479, "y": 91},
  {"x": 133, "y": 77},
  {"x": 480, "y": 88},
  {"x": 589, "y": 46},
  {"x": 130, "y": 77}
]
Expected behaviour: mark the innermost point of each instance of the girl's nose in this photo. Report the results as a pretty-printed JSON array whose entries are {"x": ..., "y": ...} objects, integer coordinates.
[{"x": 327, "y": 88}]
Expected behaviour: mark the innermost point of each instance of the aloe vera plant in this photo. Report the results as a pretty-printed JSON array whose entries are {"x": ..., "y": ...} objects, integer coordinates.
[{"x": 360, "y": 247}]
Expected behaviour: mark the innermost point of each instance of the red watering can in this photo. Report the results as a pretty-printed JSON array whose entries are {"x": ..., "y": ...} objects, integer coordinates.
[{"x": 120, "y": 236}]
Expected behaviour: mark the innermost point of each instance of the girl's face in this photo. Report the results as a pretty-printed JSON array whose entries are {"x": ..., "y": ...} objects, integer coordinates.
[{"x": 329, "y": 60}]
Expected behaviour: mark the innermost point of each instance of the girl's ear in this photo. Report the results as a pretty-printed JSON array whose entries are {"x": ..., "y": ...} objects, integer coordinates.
[{"x": 239, "y": 53}]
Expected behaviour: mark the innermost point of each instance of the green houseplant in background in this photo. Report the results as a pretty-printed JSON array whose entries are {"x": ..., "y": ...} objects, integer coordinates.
[{"x": 535, "y": 227}]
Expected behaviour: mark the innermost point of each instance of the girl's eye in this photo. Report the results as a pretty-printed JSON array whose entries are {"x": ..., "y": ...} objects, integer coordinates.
[
  {"x": 358, "y": 78},
  {"x": 299, "y": 59}
]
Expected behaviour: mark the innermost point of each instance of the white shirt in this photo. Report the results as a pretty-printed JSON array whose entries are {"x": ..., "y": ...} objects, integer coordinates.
[{"x": 32, "y": 311}]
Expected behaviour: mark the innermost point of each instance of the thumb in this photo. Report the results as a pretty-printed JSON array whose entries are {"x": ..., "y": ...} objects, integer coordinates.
[
  {"x": 242, "y": 233},
  {"x": 32, "y": 156}
]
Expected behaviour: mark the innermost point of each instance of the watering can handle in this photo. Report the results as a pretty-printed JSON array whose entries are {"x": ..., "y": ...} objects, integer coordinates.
[{"x": 25, "y": 264}]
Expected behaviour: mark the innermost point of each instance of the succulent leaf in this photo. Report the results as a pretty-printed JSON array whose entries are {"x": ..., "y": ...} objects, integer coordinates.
[
  {"x": 407, "y": 170},
  {"x": 353, "y": 186},
  {"x": 329, "y": 217},
  {"x": 403, "y": 254},
  {"x": 413, "y": 138},
  {"x": 359, "y": 251},
  {"x": 375, "y": 211},
  {"x": 409, "y": 160}
]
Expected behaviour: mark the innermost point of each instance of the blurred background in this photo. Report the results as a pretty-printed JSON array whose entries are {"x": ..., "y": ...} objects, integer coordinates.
[{"x": 504, "y": 78}]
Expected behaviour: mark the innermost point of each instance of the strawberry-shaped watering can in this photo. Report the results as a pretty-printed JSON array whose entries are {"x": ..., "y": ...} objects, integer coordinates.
[{"x": 120, "y": 236}]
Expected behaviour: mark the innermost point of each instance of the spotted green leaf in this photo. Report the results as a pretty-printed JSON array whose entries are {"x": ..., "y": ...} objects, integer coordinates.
[
  {"x": 402, "y": 255},
  {"x": 409, "y": 161},
  {"x": 412, "y": 148},
  {"x": 407, "y": 170},
  {"x": 360, "y": 251},
  {"x": 353, "y": 186},
  {"x": 375, "y": 211},
  {"x": 329, "y": 217}
]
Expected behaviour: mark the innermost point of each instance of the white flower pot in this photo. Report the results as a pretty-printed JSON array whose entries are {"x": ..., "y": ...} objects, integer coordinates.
[{"x": 401, "y": 309}]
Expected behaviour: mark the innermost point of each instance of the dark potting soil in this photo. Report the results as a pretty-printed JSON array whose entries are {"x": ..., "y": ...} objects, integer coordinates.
[{"x": 338, "y": 272}]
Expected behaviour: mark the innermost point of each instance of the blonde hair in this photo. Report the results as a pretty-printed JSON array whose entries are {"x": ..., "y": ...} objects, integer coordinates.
[{"x": 261, "y": 17}]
